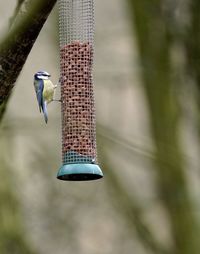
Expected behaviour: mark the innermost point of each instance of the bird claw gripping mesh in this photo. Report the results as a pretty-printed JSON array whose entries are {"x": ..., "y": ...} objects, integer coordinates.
[{"x": 76, "y": 32}]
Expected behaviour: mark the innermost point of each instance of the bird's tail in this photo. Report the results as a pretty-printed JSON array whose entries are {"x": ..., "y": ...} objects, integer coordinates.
[{"x": 44, "y": 109}]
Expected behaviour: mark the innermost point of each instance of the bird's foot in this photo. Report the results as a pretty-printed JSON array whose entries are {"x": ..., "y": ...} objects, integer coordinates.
[
  {"x": 60, "y": 81},
  {"x": 57, "y": 100}
]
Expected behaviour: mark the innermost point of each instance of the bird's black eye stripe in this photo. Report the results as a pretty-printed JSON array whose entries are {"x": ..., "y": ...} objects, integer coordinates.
[{"x": 43, "y": 74}]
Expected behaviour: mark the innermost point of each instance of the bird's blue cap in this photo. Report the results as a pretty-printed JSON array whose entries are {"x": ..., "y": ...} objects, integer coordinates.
[{"x": 41, "y": 74}]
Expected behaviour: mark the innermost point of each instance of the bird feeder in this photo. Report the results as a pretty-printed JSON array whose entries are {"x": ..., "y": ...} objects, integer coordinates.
[{"x": 76, "y": 33}]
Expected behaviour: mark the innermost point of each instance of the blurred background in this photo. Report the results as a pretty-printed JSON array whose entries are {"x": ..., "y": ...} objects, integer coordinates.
[{"x": 147, "y": 81}]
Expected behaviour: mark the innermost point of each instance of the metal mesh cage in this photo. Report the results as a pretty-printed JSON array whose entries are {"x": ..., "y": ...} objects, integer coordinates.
[
  {"x": 76, "y": 32},
  {"x": 76, "y": 21}
]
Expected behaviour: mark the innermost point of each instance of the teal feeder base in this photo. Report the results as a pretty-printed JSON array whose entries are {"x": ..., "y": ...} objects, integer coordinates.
[{"x": 79, "y": 172}]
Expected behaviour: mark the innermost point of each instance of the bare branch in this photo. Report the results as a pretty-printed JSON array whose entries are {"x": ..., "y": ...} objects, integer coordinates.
[
  {"x": 128, "y": 205},
  {"x": 18, "y": 7}
]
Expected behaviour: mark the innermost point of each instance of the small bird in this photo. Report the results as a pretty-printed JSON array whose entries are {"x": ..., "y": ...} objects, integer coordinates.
[{"x": 45, "y": 90}]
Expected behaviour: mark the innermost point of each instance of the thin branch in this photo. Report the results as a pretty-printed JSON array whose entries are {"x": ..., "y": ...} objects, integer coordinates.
[
  {"x": 191, "y": 41},
  {"x": 128, "y": 205},
  {"x": 16, "y": 11}
]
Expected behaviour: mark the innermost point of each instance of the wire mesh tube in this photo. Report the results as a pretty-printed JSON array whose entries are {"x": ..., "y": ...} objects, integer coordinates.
[{"x": 76, "y": 32}]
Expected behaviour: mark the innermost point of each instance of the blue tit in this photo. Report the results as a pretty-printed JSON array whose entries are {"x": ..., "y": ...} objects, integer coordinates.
[{"x": 45, "y": 90}]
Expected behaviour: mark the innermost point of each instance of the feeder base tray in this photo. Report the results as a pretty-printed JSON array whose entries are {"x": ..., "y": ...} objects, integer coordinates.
[{"x": 79, "y": 172}]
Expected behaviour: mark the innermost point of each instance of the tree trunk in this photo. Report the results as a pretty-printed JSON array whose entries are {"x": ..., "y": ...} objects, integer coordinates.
[{"x": 154, "y": 43}]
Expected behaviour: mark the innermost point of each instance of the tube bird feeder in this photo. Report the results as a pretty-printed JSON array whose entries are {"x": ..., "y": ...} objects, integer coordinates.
[{"x": 76, "y": 35}]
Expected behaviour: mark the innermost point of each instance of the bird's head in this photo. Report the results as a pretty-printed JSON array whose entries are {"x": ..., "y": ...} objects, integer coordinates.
[{"x": 42, "y": 75}]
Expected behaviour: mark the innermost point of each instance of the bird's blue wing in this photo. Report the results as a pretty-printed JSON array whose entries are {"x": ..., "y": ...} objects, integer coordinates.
[
  {"x": 39, "y": 88},
  {"x": 39, "y": 93}
]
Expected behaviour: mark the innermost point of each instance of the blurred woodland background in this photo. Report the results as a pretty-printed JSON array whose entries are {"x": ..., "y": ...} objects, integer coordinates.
[{"x": 147, "y": 88}]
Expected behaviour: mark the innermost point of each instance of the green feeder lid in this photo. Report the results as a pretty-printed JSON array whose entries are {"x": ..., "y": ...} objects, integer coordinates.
[{"x": 79, "y": 172}]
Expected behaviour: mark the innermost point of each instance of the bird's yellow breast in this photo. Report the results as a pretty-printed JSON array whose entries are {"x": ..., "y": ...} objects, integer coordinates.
[{"x": 48, "y": 91}]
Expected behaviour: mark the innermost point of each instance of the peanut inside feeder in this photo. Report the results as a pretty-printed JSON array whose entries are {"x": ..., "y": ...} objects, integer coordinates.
[{"x": 76, "y": 26}]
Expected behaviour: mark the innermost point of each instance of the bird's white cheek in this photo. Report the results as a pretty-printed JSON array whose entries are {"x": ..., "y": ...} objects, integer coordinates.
[{"x": 42, "y": 77}]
